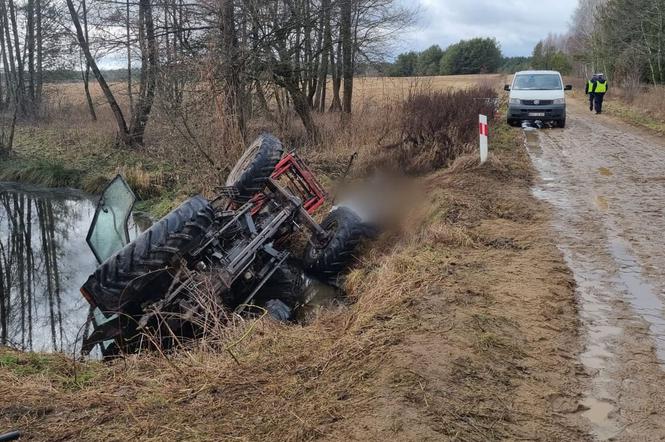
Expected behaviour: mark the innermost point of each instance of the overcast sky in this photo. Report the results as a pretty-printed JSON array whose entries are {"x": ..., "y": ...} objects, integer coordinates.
[{"x": 517, "y": 24}]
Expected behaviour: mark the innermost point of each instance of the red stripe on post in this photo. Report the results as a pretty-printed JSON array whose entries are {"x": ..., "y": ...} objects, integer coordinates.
[{"x": 484, "y": 129}]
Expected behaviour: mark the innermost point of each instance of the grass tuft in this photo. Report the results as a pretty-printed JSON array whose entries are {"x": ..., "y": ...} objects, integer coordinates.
[{"x": 41, "y": 172}]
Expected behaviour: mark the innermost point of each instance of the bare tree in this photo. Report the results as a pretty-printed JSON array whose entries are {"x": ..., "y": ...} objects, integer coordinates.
[
  {"x": 123, "y": 131},
  {"x": 233, "y": 89},
  {"x": 149, "y": 57},
  {"x": 346, "y": 12},
  {"x": 86, "y": 72}
]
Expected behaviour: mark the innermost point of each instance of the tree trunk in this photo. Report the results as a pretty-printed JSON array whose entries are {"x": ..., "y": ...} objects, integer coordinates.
[
  {"x": 233, "y": 93},
  {"x": 322, "y": 84},
  {"x": 336, "y": 104},
  {"x": 8, "y": 53},
  {"x": 347, "y": 53},
  {"x": 30, "y": 46},
  {"x": 129, "y": 60},
  {"x": 302, "y": 108},
  {"x": 148, "y": 72},
  {"x": 19, "y": 61},
  {"x": 5, "y": 61},
  {"x": 123, "y": 133},
  {"x": 86, "y": 73},
  {"x": 40, "y": 53}
]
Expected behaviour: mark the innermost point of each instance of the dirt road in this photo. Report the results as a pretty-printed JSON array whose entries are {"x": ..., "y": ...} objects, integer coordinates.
[{"x": 606, "y": 181}]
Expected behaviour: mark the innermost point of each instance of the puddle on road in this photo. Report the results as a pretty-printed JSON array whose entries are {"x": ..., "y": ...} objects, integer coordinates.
[
  {"x": 531, "y": 135},
  {"x": 599, "y": 413},
  {"x": 642, "y": 295},
  {"x": 608, "y": 200},
  {"x": 592, "y": 292},
  {"x": 604, "y": 171},
  {"x": 601, "y": 202}
]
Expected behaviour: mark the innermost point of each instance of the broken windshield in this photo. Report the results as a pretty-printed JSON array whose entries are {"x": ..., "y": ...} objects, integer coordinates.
[{"x": 108, "y": 232}]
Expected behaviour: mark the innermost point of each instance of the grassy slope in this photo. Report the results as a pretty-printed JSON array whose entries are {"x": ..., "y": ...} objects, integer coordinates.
[
  {"x": 632, "y": 113},
  {"x": 87, "y": 158},
  {"x": 463, "y": 327}
]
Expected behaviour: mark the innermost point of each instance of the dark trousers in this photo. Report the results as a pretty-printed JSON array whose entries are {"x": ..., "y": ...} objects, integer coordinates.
[
  {"x": 591, "y": 98},
  {"x": 598, "y": 100}
]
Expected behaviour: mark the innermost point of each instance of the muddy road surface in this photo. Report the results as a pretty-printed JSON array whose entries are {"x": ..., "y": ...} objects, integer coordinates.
[{"x": 606, "y": 182}]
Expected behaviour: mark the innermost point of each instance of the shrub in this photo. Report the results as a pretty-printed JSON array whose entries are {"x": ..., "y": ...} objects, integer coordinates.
[{"x": 436, "y": 127}]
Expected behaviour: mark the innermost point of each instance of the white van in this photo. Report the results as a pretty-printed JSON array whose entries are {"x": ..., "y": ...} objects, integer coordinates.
[{"x": 537, "y": 95}]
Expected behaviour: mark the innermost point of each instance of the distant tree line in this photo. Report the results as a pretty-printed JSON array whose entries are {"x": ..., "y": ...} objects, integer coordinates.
[
  {"x": 475, "y": 56},
  {"x": 510, "y": 65},
  {"x": 72, "y": 75},
  {"x": 625, "y": 39},
  {"x": 549, "y": 54}
]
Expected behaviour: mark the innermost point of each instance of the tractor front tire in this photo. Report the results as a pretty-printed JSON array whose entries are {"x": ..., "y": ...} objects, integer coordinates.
[
  {"x": 346, "y": 231},
  {"x": 252, "y": 171}
]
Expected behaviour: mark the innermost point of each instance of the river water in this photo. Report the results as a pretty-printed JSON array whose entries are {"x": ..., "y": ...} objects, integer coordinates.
[{"x": 44, "y": 259}]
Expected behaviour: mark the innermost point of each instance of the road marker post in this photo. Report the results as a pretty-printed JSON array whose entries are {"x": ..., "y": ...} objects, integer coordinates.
[{"x": 483, "y": 129}]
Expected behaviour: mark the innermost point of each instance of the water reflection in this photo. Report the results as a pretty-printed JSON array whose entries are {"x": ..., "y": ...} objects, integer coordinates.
[{"x": 43, "y": 261}]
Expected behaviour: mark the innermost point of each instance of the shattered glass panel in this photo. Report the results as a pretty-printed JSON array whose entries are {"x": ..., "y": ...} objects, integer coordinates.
[{"x": 108, "y": 232}]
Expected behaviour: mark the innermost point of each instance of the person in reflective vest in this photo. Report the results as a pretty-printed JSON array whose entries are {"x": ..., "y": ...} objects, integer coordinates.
[
  {"x": 599, "y": 90},
  {"x": 589, "y": 90}
]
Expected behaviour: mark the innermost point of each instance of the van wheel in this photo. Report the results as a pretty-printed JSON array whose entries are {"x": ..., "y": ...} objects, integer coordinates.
[{"x": 561, "y": 123}]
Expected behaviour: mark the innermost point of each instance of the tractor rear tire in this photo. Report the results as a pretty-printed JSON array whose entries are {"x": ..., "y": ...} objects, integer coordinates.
[
  {"x": 287, "y": 284},
  {"x": 143, "y": 270},
  {"x": 252, "y": 171},
  {"x": 330, "y": 262}
]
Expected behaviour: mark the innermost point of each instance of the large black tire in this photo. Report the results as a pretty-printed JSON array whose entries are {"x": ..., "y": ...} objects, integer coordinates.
[
  {"x": 562, "y": 123},
  {"x": 141, "y": 270},
  {"x": 330, "y": 262},
  {"x": 251, "y": 172},
  {"x": 287, "y": 284}
]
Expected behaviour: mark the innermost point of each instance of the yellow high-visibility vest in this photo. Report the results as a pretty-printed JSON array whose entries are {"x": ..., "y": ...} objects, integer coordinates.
[
  {"x": 601, "y": 88},
  {"x": 589, "y": 86}
]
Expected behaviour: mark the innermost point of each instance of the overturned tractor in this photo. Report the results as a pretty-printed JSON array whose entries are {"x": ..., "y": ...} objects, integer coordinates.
[{"x": 236, "y": 246}]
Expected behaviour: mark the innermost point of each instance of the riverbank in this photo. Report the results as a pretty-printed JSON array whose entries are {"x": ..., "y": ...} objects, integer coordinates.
[
  {"x": 87, "y": 159},
  {"x": 462, "y": 325}
]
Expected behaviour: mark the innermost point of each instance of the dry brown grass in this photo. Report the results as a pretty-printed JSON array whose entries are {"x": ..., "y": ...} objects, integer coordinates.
[
  {"x": 442, "y": 340},
  {"x": 641, "y": 105}
]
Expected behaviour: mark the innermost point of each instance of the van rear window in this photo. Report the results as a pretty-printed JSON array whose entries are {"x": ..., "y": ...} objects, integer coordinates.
[{"x": 537, "y": 82}]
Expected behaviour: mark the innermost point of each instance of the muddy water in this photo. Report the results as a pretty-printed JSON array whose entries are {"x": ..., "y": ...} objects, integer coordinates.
[
  {"x": 317, "y": 295},
  {"x": 606, "y": 182},
  {"x": 44, "y": 259}
]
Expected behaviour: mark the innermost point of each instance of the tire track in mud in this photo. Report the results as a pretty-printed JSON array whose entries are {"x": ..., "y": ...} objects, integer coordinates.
[{"x": 606, "y": 182}]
